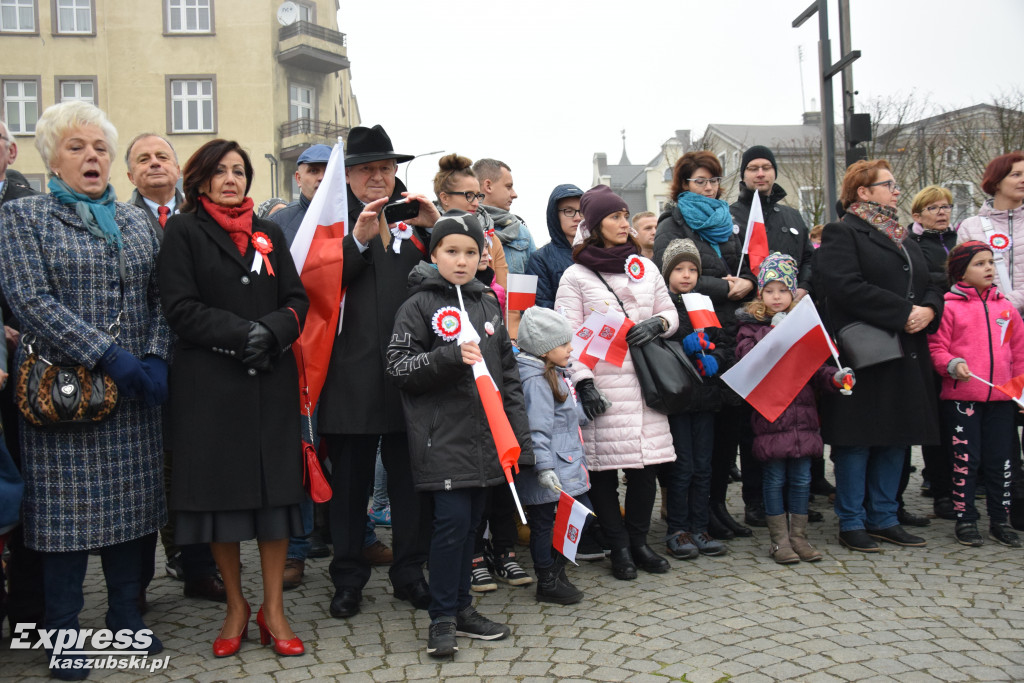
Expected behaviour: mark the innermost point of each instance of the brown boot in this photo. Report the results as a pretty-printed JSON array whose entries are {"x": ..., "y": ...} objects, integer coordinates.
[
  {"x": 293, "y": 571},
  {"x": 798, "y": 539},
  {"x": 780, "y": 550},
  {"x": 378, "y": 554}
]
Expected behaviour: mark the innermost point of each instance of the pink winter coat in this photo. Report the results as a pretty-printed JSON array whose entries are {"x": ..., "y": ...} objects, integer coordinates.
[
  {"x": 629, "y": 435},
  {"x": 1009, "y": 223},
  {"x": 971, "y": 330}
]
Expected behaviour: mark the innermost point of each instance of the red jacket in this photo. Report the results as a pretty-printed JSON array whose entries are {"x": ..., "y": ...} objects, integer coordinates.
[{"x": 972, "y": 328}]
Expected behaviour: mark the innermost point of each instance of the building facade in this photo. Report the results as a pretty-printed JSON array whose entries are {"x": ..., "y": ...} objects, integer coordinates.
[{"x": 274, "y": 76}]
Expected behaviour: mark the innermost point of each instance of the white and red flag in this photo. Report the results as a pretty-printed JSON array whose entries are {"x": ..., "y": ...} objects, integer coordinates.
[
  {"x": 755, "y": 242},
  {"x": 520, "y": 291},
  {"x": 1014, "y": 388},
  {"x": 778, "y": 367},
  {"x": 569, "y": 519},
  {"x": 317, "y": 252},
  {"x": 602, "y": 337},
  {"x": 701, "y": 311}
]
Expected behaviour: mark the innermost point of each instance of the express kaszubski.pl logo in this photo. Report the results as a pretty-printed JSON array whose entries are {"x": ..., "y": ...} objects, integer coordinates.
[{"x": 91, "y": 649}]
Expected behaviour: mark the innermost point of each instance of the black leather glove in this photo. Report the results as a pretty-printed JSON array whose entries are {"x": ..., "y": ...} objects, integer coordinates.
[
  {"x": 259, "y": 347},
  {"x": 594, "y": 402},
  {"x": 645, "y": 332}
]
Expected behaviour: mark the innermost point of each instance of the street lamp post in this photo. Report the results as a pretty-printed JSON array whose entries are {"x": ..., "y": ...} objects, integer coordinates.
[{"x": 425, "y": 154}]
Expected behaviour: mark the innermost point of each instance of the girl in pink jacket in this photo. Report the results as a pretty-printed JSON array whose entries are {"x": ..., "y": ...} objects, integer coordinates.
[{"x": 981, "y": 336}]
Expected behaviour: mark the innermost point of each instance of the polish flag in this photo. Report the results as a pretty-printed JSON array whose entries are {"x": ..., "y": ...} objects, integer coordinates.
[
  {"x": 520, "y": 292},
  {"x": 701, "y": 311},
  {"x": 755, "y": 242},
  {"x": 317, "y": 252},
  {"x": 778, "y": 367},
  {"x": 569, "y": 520},
  {"x": 1014, "y": 388},
  {"x": 602, "y": 337}
]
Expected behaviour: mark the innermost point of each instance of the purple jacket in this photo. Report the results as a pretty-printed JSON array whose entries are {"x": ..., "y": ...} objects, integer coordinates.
[{"x": 796, "y": 433}]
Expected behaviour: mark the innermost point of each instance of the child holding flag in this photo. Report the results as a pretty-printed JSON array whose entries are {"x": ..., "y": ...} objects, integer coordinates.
[
  {"x": 689, "y": 477},
  {"x": 785, "y": 447},
  {"x": 981, "y": 337},
  {"x": 555, "y": 418},
  {"x": 453, "y": 452}
]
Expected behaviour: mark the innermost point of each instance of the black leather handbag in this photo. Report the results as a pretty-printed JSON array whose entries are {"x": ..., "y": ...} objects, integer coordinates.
[
  {"x": 865, "y": 345},
  {"x": 51, "y": 395}
]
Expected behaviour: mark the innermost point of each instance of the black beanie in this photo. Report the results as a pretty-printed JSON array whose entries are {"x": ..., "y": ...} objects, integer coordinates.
[
  {"x": 454, "y": 222},
  {"x": 758, "y": 152}
]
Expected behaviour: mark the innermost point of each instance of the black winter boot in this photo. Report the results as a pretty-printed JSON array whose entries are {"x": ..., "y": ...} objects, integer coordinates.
[{"x": 552, "y": 588}]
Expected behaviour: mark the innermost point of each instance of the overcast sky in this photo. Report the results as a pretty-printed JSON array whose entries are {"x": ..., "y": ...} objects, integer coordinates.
[{"x": 543, "y": 86}]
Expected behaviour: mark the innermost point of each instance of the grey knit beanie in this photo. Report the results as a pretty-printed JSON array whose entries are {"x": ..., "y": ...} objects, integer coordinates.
[
  {"x": 676, "y": 252},
  {"x": 541, "y": 329}
]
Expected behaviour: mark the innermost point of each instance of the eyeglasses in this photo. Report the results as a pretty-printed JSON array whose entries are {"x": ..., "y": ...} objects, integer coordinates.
[
  {"x": 569, "y": 212},
  {"x": 939, "y": 208},
  {"x": 891, "y": 184},
  {"x": 469, "y": 195},
  {"x": 701, "y": 182},
  {"x": 764, "y": 169}
]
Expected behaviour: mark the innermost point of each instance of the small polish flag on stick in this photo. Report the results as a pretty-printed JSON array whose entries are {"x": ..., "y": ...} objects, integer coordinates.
[
  {"x": 1014, "y": 388},
  {"x": 701, "y": 311},
  {"x": 569, "y": 520},
  {"x": 520, "y": 291},
  {"x": 755, "y": 242}
]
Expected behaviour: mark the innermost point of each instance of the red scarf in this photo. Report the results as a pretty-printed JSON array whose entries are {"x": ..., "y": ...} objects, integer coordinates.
[{"x": 236, "y": 220}]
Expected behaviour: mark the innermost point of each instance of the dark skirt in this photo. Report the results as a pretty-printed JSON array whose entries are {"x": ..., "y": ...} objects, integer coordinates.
[{"x": 233, "y": 526}]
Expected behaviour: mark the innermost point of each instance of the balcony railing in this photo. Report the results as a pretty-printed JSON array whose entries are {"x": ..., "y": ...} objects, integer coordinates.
[
  {"x": 314, "y": 127},
  {"x": 312, "y": 30}
]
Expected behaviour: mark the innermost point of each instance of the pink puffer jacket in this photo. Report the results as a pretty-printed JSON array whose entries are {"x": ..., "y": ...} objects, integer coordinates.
[
  {"x": 629, "y": 435},
  {"x": 972, "y": 329},
  {"x": 1009, "y": 223}
]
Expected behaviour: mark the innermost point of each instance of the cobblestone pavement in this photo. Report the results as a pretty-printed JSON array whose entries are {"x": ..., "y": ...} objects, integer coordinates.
[{"x": 941, "y": 613}]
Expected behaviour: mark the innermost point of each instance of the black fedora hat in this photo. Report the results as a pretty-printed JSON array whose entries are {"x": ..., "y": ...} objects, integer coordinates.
[{"x": 371, "y": 144}]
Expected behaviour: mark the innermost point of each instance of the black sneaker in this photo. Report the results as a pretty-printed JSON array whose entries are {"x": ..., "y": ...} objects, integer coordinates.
[
  {"x": 174, "y": 567},
  {"x": 472, "y": 624},
  {"x": 441, "y": 641},
  {"x": 1002, "y": 533},
  {"x": 966, "y": 533},
  {"x": 508, "y": 570},
  {"x": 480, "y": 579}
]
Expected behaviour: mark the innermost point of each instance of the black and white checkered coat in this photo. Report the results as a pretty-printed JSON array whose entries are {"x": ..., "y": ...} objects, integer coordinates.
[{"x": 96, "y": 485}]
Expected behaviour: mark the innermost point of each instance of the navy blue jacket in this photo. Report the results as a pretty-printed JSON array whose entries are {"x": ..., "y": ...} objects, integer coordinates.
[{"x": 550, "y": 261}]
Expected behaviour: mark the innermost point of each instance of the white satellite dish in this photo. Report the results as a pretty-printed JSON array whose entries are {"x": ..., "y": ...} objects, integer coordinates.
[{"x": 287, "y": 13}]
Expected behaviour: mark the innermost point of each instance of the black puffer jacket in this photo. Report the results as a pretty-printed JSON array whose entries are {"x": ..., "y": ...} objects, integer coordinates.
[
  {"x": 783, "y": 225},
  {"x": 936, "y": 247},
  {"x": 450, "y": 443},
  {"x": 672, "y": 226},
  {"x": 712, "y": 393}
]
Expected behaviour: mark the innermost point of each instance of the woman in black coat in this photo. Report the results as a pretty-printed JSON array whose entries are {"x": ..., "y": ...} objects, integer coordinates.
[
  {"x": 231, "y": 294},
  {"x": 869, "y": 272}
]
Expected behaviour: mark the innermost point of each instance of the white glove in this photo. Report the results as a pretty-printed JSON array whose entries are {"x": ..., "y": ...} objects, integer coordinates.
[{"x": 549, "y": 480}]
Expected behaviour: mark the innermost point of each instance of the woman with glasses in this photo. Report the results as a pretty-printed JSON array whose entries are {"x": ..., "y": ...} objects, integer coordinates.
[
  {"x": 868, "y": 272},
  {"x": 698, "y": 213}
]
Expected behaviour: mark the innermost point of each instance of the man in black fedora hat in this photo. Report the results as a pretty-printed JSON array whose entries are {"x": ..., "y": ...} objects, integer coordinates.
[{"x": 360, "y": 409}]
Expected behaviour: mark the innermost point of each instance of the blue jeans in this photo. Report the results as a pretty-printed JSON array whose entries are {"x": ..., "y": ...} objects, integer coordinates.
[
  {"x": 689, "y": 486},
  {"x": 867, "y": 482},
  {"x": 457, "y": 514},
  {"x": 796, "y": 472},
  {"x": 541, "y": 519}
]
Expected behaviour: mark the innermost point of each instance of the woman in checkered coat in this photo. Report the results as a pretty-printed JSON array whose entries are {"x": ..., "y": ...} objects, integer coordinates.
[{"x": 62, "y": 255}]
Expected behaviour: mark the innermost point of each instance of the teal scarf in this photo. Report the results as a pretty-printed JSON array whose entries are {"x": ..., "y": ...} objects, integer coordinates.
[
  {"x": 97, "y": 214},
  {"x": 709, "y": 218}
]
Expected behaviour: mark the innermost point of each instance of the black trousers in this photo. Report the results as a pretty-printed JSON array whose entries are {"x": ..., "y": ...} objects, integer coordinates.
[
  {"x": 500, "y": 513},
  {"x": 353, "y": 458},
  {"x": 641, "y": 487},
  {"x": 732, "y": 432}
]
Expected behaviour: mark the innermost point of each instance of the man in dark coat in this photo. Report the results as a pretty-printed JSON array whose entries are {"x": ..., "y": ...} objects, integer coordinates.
[
  {"x": 309, "y": 171},
  {"x": 360, "y": 408},
  {"x": 154, "y": 171},
  {"x": 785, "y": 228},
  {"x": 550, "y": 261}
]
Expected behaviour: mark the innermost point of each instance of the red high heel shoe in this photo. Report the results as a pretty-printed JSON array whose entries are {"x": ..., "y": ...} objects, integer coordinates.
[
  {"x": 285, "y": 648},
  {"x": 225, "y": 647}
]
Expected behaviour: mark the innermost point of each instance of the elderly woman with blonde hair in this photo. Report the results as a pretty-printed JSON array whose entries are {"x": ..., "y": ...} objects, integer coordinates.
[{"x": 79, "y": 271}]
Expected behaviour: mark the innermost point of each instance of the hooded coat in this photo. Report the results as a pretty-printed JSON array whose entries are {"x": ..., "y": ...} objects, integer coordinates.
[
  {"x": 796, "y": 433},
  {"x": 783, "y": 225},
  {"x": 629, "y": 434},
  {"x": 450, "y": 442},
  {"x": 935, "y": 246},
  {"x": 1008, "y": 222},
  {"x": 550, "y": 261}
]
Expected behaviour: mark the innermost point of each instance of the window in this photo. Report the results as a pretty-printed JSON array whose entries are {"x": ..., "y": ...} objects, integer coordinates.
[
  {"x": 301, "y": 103},
  {"x": 73, "y": 16},
  {"x": 191, "y": 104},
  {"x": 307, "y": 12},
  {"x": 952, "y": 157},
  {"x": 963, "y": 201},
  {"x": 18, "y": 16},
  {"x": 21, "y": 105},
  {"x": 35, "y": 181},
  {"x": 76, "y": 88},
  {"x": 189, "y": 16}
]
